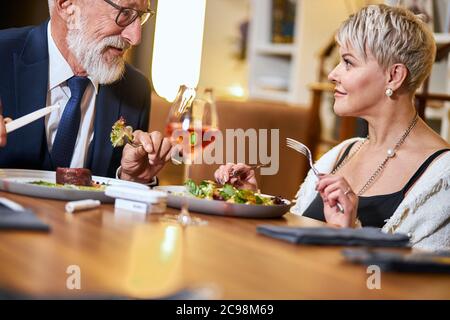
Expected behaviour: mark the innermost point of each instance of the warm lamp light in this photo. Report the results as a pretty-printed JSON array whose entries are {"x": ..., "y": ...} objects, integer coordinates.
[
  {"x": 236, "y": 90},
  {"x": 178, "y": 45}
]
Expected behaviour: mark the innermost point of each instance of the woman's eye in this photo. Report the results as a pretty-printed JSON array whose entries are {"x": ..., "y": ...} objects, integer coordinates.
[{"x": 347, "y": 63}]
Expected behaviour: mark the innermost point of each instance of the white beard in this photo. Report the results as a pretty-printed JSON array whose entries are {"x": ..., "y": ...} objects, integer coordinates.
[{"x": 90, "y": 55}]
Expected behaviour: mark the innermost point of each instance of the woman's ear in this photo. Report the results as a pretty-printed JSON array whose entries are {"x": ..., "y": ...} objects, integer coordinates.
[{"x": 397, "y": 74}]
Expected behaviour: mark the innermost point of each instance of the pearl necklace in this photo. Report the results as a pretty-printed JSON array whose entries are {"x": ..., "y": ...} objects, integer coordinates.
[{"x": 390, "y": 154}]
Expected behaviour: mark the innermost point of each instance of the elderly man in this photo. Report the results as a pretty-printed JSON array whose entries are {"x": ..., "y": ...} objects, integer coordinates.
[{"x": 76, "y": 60}]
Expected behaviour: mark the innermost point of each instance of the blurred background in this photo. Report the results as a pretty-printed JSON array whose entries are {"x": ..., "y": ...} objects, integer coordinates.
[{"x": 267, "y": 61}]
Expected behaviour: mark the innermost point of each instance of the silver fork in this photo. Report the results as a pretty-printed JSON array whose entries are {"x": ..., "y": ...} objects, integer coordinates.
[
  {"x": 130, "y": 142},
  {"x": 301, "y": 148},
  {"x": 137, "y": 145}
]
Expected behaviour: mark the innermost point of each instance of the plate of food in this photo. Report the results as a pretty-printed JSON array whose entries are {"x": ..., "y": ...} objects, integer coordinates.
[
  {"x": 64, "y": 184},
  {"x": 225, "y": 200}
]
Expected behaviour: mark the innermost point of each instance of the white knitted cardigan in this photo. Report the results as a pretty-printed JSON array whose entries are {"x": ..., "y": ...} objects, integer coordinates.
[{"x": 424, "y": 213}]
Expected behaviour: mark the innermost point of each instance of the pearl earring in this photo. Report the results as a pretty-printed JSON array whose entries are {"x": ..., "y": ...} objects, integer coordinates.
[{"x": 389, "y": 92}]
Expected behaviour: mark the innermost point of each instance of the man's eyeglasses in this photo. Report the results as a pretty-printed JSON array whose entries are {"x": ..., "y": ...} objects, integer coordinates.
[{"x": 127, "y": 16}]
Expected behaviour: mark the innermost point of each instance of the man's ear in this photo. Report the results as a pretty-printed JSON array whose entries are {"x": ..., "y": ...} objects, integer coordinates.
[
  {"x": 69, "y": 11},
  {"x": 397, "y": 74}
]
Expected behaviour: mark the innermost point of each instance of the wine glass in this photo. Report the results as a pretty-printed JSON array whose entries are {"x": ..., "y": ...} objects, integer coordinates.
[{"x": 191, "y": 123}]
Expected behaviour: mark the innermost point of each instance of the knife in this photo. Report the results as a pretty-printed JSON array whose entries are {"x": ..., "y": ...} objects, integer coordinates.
[{"x": 26, "y": 119}]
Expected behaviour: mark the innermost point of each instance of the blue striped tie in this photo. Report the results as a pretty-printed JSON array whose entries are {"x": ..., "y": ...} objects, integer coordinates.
[{"x": 66, "y": 136}]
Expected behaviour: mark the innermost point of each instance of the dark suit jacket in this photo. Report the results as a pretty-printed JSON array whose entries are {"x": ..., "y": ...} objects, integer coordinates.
[{"x": 23, "y": 89}]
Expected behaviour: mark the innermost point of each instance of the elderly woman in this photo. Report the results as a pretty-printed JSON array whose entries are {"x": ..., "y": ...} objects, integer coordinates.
[{"x": 398, "y": 177}]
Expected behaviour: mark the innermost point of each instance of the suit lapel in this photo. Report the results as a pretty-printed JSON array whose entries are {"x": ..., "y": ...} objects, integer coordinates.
[
  {"x": 107, "y": 111},
  {"x": 31, "y": 82}
]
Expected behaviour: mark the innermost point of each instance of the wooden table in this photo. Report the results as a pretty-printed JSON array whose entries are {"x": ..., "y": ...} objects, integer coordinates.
[{"x": 143, "y": 257}]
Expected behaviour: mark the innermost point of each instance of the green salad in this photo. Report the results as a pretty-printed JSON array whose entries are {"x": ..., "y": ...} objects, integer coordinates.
[
  {"x": 94, "y": 187},
  {"x": 208, "y": 189},
  {"x": 120, "y": 132}
]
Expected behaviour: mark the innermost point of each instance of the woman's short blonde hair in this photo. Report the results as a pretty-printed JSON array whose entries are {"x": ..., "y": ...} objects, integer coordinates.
[{"x": 392, "y": 35}]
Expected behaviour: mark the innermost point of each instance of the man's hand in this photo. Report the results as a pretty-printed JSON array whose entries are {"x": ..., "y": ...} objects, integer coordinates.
[
  {"x": 3, "y": 121},
  {"x": 142, "y": 163}
]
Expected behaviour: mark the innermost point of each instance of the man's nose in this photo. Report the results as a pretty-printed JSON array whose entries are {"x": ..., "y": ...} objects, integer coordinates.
[{"x": 133, "y": 32}]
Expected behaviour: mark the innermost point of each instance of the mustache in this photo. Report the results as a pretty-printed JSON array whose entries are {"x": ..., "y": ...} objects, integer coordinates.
[{"x": 115, "y": 41}]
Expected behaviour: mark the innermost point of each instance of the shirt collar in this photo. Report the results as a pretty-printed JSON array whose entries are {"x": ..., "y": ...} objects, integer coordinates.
[{"x": 59, "y": 69}]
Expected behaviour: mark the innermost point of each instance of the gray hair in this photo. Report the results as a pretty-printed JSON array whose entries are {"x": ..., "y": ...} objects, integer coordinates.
[
  {"x": 393, "y": 35},
  {"x": 51, "y": 3}
]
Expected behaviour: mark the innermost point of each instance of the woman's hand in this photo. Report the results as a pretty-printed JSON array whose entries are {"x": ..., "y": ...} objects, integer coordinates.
[
  {"x": 334, "y": 190},
  {"x": 239, "y": 175}
]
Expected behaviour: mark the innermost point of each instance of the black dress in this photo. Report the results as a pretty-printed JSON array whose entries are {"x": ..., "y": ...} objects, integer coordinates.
[{"x": 373, "y": 211}]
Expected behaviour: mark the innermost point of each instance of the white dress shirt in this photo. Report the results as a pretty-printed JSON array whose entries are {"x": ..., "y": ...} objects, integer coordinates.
[
  {"x": 59, "y": 72},
  {"x": 58, "y": 92}
]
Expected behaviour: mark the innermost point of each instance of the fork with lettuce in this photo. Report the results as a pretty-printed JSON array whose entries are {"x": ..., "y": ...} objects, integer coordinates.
[{"x": 121, "y": 133}]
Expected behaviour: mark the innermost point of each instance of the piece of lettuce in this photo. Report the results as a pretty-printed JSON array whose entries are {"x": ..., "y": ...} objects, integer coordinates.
[
  {"x": 227, "y": 192},
  {"x": 119, "y": 132},
  {"x": 192, "y": 188},
  {"x": 207, "y": 188}
]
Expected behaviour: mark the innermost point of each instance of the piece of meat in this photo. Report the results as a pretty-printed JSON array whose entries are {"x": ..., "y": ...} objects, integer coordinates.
[{"x": 75, "y": 176}]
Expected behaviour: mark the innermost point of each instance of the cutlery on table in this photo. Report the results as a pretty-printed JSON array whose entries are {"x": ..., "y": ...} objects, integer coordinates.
[{"x": 10, "y": 204}]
